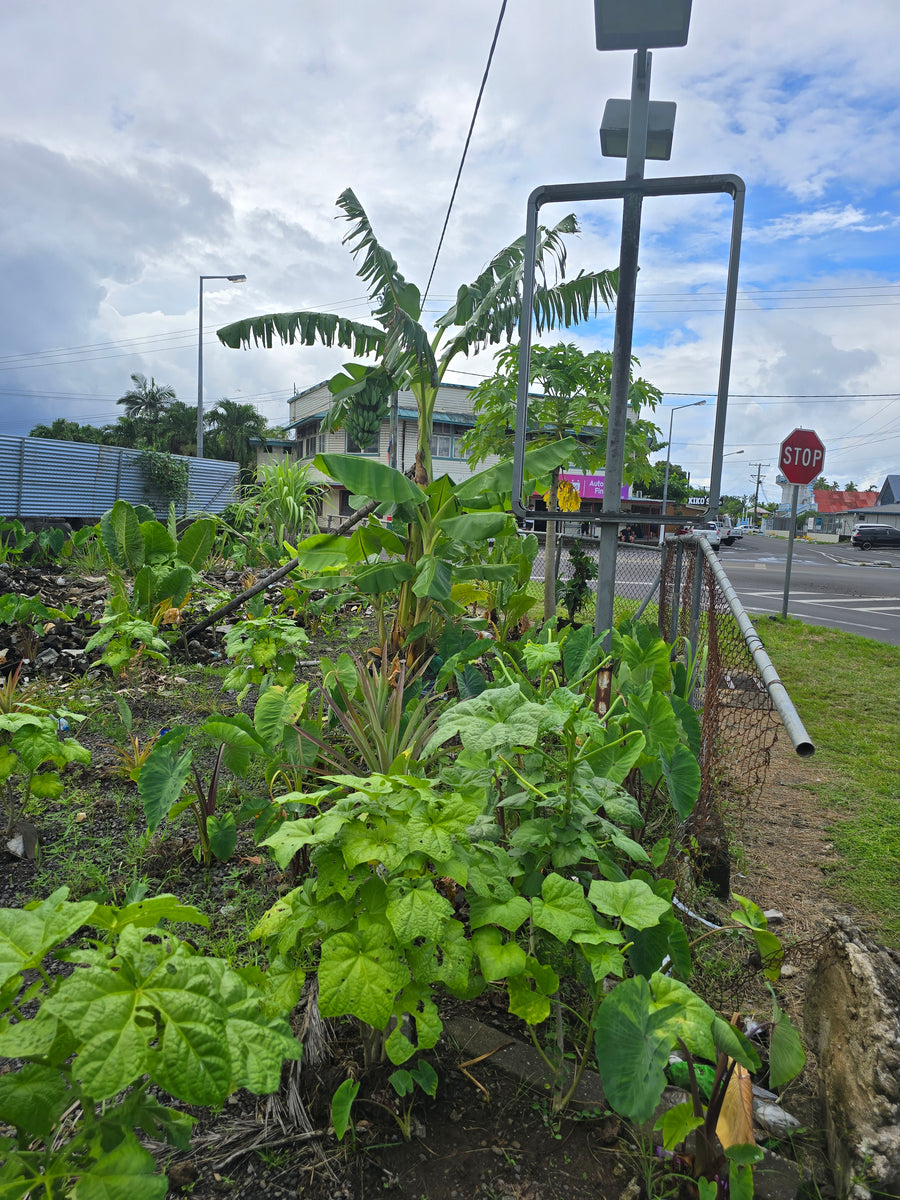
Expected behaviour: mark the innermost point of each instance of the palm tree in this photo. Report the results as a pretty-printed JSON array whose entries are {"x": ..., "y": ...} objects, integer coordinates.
[
  {"x": 232, "y": 426},
  {"x": 486, "y": 312},
  {"x": 177, "y": 432},
  {"x": 148, "y": 401}
]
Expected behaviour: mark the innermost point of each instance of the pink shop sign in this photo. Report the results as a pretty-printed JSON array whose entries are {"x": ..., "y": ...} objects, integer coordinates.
[{"x": 590, "y": 487}]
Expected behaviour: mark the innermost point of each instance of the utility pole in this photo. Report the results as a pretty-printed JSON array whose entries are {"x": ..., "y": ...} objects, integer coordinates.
[{"x": 759, "y": 467}]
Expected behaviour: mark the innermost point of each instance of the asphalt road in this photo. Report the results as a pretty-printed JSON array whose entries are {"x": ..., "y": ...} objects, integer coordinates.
[{"x": 834, "y": 585}]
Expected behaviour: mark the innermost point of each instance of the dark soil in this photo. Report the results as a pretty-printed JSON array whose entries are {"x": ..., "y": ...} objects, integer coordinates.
[{"x": 484, "y": 1134}]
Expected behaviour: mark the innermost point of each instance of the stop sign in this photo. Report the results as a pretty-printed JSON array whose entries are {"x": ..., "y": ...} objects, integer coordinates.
[{"x": 802, "y": 456}]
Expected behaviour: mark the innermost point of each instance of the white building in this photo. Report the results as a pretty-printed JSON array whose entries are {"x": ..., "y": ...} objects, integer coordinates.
[{"x": 452, "y": 418}]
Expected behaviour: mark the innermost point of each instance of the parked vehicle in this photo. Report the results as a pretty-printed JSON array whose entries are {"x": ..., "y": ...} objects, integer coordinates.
[
  {"x": 712, "y": 533},
  {"x": 726, "y": 531},
  {"x": 873, "y": 537}
]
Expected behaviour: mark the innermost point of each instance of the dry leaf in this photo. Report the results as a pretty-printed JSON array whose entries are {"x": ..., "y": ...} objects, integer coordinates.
[{"x": 735, "y": 1124}]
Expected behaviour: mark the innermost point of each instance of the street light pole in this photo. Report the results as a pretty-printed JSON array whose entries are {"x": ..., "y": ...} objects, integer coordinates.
[
  {"x": 665, "y": 495},
  {"x": 231, "y": 279}
]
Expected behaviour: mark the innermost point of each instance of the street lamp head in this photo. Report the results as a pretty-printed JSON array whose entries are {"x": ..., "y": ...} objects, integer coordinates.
[
  {"x": 236, "y": 278},
  {"x": 641, "y": 24},
  {"x": 660, "y": 129}
]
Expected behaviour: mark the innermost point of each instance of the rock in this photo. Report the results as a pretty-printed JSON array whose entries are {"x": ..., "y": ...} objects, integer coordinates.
[
  {"x": 773, "y": 1118},
  {"x": 852, "y": 1020},
  {"x": 776, "y": 1178},
  {"x": 774, "y": 916}
]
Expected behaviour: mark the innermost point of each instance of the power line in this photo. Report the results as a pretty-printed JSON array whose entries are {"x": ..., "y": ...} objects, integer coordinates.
[{"x": 465, "y": 149}]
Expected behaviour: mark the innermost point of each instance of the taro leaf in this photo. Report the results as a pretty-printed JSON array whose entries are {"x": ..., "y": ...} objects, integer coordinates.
[
  {"x": 682, "y": 774},
  {"x": 509, "y": 914},
  {"x": 656, "y": 720},
  {"x": 676, "y": 1123},
  {"x": 786, "y": 1056},
  {"x": 341, "y": 1104},
  {"x": 222, "y": 832},
  {"x": 126, "y": 1173},
  {"x": 632, "y": 900},
  {"x": 195, "y": 545},
  {"x": 120, "y": 532},
  {"x": 581, "y": 652},
  {"x": 33, "y": 1099},
  {"x": 740, "y": 1175},
  {"x": 26, "y": 936},
  {"x": 732, "y": 1042},
  {"x": 162, "y": 778},
  {"x": 360, "y": 974},
  {"x": 632, "y": 1045},
  {"x": 689, "y": 722},
  {"x": 614, "y": 761},
  {"x": 158, "y": 544},
  {"x": 561, "y": 908},
  {"x": 498, "y": 959},
  {"x": 417, "y": 912}
]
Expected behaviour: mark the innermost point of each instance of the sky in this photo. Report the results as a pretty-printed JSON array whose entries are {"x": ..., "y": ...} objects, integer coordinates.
[{"x": 145, "y": 144}]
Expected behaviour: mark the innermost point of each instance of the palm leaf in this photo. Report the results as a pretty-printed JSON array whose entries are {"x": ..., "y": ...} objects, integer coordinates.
[{"x": 307, "y": 328}]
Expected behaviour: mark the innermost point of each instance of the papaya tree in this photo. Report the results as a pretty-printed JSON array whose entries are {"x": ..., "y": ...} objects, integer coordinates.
[
  {"x": 571, "y": 399},
  {"x": 401, "y": 353}
]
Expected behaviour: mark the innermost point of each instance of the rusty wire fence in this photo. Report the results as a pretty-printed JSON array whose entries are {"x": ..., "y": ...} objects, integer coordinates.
[{"x": 739, "y": 718}]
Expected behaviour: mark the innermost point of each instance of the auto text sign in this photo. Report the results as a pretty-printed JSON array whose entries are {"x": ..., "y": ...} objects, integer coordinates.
[{"x": 802, "y": 456}]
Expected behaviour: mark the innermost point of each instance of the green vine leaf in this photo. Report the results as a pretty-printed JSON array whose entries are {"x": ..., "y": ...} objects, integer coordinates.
[{"x": 360, "y": 974}]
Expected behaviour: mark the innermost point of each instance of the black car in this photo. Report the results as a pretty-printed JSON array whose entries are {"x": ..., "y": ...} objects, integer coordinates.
[{"x": 871, "y": 537}]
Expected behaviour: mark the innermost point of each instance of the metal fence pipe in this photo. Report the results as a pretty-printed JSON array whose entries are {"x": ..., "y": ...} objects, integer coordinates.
[{"x": 794, "y": 727}]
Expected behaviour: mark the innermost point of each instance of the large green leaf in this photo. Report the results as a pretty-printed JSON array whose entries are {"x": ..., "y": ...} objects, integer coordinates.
[
  {"x": 32, "y": 1098},
  {"x": 434, "y": 578},
  {"x": 496, "y": 481},
  {"x": 561, "y": 908},
  {"x": 196, "y": 543},
  {"x": 120, "y": 532},
  {"x": 474, "y": 529},
  {"x": 371, "y": 478},
  {"x": 307, "y": 328},
  {"x": 632, "y": 1044},
  {"x": 786, "y": 1055},
  {"x": 360, "y": 974},
  {"x": 633, "y": 901},
  {"x": 682, "y": 775},
  {"x": 382, "y": 577},
  {"x": 26, "y": 936},
  {"x": 498, "y": 959},
  {"x": 127, "y": 1172},
  {"x": 417, "y": 912},
  {"x": 158, "y": 544},
  {"x": 162, "y": 779}
]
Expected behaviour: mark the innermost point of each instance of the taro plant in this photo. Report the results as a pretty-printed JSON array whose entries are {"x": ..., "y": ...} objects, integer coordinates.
[
  {"x": 163, "y": 568},
  {"x": 162, "y": 782},
  {"x": 168, "y": 772},
  {"x": 142, "y": 1011}
]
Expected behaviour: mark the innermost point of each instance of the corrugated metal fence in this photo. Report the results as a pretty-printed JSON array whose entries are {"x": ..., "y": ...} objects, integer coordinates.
[{"x": 40, "y": 477}]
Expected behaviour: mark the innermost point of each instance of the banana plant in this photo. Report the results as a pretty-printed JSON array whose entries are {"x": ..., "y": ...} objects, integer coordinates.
[
  {"x": 486, "y": 312},
  {"x": 435, "y": 541}
]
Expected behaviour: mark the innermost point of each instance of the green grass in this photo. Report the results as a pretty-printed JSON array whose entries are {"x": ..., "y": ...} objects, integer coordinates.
[{"x": 845, "y": 688}]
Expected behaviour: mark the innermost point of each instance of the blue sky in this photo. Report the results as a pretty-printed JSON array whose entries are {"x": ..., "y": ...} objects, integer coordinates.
[{"x": 142, "y": 145}]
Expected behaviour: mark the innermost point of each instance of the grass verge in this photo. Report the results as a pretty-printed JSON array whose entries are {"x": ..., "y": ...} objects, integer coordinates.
[{"x": 845, "y": 688}]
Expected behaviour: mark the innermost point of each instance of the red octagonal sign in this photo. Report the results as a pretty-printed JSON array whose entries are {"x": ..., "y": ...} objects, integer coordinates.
[{"x": 802, "y": 456}]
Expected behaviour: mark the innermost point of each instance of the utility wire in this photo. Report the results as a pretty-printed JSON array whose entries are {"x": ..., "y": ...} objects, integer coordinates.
[{"x": 465, "y": 150}]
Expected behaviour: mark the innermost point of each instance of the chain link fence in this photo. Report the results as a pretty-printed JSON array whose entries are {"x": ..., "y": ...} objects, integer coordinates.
[
  {"x": 738, "y": 718},
  {"x": 637, "y": 571}
]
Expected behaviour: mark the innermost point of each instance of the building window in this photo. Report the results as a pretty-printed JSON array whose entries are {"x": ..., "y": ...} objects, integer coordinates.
[
  {"x": 307, "y": 440},
  {"x": 445, "y": 440},
  {"x": 352, "y": 447}
]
